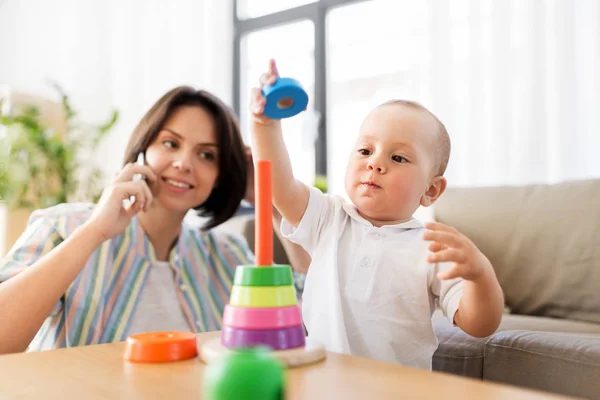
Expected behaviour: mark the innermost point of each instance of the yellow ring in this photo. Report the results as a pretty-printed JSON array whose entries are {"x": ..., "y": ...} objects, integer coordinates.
[{"x": 263, "y": 296}]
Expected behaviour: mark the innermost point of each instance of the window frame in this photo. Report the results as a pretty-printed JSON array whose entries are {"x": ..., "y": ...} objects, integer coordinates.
[{"x": 317, "y": 13}]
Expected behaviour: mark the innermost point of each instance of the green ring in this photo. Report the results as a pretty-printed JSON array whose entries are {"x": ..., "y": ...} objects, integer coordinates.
[{"x": 251, "y": 275}]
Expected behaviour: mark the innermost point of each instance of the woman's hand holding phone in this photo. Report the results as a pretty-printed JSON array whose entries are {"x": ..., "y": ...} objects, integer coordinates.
[{"x": 111, "y": 216}]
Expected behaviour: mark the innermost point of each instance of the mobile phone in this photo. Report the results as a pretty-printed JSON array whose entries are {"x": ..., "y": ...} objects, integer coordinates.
[{"x": 141, "y": 160}]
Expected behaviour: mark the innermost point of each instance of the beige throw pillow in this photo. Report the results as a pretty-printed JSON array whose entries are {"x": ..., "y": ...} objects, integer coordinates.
[{"x": 543, "y": 240}]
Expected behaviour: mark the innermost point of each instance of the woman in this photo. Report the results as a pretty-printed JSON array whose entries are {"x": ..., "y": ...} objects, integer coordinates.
[{"x": 83, "y": 274}]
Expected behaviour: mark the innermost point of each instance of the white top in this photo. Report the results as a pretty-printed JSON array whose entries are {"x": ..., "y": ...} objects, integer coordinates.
[
  {"x": 370, "y": 291},
  {"x": 158, "y": 308}
]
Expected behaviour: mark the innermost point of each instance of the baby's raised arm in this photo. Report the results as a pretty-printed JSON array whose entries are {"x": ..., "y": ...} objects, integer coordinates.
[{"x": 290, "y": 196}]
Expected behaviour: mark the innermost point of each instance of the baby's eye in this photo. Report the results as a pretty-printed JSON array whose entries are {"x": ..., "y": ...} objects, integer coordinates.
[
  {"x": 364, "y": 152},
  {"x": 170, "y": 144},
  {"x": 399, "y": 159},
  {"x": 207, "y": 155}
]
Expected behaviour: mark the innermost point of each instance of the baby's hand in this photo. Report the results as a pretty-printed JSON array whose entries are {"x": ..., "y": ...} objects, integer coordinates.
[
  {"x": 448, "y": 244},
  {"x": 257, "y": 100}
]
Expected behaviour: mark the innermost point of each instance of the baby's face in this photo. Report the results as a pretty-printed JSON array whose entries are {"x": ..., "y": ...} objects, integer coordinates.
[{"x": 392, "y": 163}]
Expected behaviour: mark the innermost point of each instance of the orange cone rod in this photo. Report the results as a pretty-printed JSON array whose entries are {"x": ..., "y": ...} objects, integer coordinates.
[{"x": 263, "y": 229}]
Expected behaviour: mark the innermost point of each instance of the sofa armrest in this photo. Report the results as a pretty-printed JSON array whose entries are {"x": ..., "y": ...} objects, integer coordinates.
[{"x": 565, "y": 363}]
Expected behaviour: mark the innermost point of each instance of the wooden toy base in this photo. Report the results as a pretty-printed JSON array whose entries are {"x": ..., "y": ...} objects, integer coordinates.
[{"x": 312, "y": 352}]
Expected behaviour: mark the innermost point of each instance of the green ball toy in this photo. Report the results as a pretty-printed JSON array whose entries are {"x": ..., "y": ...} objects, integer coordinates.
[{"x": 251, "y": 373}]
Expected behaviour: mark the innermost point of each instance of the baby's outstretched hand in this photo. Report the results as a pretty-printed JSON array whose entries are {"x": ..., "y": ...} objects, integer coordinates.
[
  {"x": 449, "y": 245},
  {"x": 257, "y": 100}
]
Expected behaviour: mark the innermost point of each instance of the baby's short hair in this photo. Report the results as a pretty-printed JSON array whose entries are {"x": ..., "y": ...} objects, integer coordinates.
[{"x": 443, "y": 139}]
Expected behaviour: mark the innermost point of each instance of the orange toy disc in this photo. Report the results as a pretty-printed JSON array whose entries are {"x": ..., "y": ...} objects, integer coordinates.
[{"x": 156, "y": 347}]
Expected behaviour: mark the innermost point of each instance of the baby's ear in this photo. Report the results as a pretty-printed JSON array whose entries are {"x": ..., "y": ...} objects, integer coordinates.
[{"x": 434, "y": 191}]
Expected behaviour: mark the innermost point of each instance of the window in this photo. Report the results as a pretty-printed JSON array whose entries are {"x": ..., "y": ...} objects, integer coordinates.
[
  {"x": 294, "y": 33},
  {"x": 292, "y": 46},
  {"x": 366, "y": 67},
  {"x": 258, "y": 8},
  {"x": 494, "y": 72}
]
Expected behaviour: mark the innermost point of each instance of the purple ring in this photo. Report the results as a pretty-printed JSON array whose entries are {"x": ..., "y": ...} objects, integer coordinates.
[{"x": 276, "y": 339}]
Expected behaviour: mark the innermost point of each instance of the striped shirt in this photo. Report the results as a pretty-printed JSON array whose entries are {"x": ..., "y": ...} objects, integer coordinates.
[{"x": 98, "y": 306}]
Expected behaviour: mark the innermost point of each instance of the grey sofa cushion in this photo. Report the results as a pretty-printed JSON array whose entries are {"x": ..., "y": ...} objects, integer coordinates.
[
  {"x": 461, "y": 354},
  {"x": 543, "y": 241},
  {"x": 457, "y": 352},
  {"x": 565, "y": 363}
]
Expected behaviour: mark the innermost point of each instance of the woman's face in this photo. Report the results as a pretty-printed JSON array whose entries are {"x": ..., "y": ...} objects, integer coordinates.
[{"x": 184, "y": 157}]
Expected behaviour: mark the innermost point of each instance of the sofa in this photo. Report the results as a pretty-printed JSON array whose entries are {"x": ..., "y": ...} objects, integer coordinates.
[{"x": 544, "y": 244}]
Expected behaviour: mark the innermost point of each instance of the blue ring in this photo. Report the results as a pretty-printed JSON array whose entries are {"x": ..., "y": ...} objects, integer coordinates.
[{"x": 284, "y": 88}]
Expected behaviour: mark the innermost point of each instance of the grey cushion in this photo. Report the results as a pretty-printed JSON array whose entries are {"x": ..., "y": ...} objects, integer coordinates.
[
  {"x": 457, "y": 352},
  {"x": 565, "y": 363},
  {"x": 461, "y": 354}
]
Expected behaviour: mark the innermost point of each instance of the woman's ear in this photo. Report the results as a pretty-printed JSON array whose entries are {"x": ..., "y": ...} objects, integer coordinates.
[{"x": 434, "y": 191}]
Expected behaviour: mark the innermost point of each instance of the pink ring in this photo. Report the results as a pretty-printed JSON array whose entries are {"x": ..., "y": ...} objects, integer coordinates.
[{"x": 261, "y": 318}]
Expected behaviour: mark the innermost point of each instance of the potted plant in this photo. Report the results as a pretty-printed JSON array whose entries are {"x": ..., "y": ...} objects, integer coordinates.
[{"x": 40, "y": 166}]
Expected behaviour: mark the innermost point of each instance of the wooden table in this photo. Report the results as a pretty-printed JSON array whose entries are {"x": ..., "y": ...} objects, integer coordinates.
[{"x": 92, "y": 372}]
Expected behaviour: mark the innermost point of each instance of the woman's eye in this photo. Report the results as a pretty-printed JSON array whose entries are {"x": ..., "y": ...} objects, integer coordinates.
[
  {"x": 364, "y": 152},
  {"x": 207, "y": 155},
  {"x": 170, "y": 144},
  {"x": 399, "y": 159}
]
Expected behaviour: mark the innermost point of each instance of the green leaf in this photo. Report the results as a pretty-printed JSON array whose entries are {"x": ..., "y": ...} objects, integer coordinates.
[
  {"x": 69, "y": 111},
  {"x": 45, "y": 167},
  {"x": 108, "y": 125},
  {"x": 321, "y": 183}
]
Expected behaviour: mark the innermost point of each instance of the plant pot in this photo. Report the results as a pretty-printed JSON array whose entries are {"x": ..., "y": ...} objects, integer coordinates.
[{"x": 12, "y": 225}]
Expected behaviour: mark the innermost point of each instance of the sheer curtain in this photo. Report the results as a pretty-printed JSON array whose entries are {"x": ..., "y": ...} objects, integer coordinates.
[
  {"x": 517, "y": 83},
  {"x": 116, "y": 54},
  {"x": 519, "y": 88}
]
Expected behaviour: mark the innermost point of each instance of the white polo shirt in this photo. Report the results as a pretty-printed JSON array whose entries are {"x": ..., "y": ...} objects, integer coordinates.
[{"x": 370, "y": 291}]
